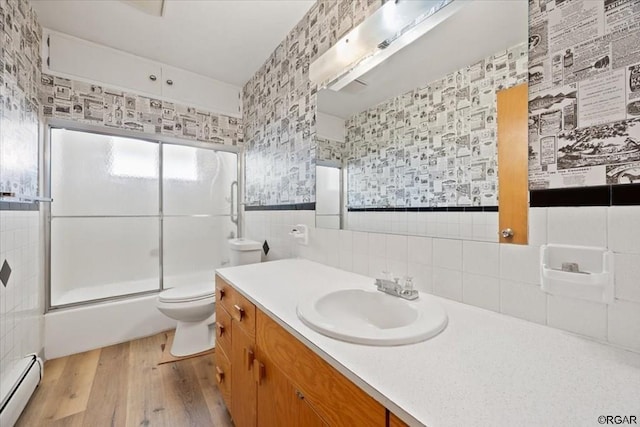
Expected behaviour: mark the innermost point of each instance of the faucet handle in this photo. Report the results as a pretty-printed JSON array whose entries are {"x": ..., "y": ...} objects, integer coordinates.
[{"x": 408, "y": 283}]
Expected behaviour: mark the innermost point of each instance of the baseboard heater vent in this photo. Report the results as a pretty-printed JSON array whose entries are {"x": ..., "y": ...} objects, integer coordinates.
[{"x": 16, "y": 388}]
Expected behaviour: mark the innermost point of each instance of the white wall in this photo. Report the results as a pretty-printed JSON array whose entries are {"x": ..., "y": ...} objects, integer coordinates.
[
  {"x": 22, "y": 300},
  {"x": 330, "y": 127},
  {"x": 328, "y": 196},
  {"x": 498, "y": 277}
]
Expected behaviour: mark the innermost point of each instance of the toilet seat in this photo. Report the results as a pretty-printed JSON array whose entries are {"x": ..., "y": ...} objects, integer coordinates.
[{"x": 195, "y": 292}]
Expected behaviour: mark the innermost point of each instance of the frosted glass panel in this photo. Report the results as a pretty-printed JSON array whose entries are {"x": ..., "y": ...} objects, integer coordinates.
[
  {"x": 197, "y": 180},
  {"x": 103, "y": 257},
  {"x": 194, "y": 248},
  {"x": 95, "y": 174}
]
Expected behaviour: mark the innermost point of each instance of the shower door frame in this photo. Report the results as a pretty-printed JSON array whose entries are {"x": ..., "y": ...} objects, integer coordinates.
[{"x": 45, "y": 208}]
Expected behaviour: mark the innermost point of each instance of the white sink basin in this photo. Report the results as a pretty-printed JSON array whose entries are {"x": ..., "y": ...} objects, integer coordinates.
[{"x": 373, "y": 317}]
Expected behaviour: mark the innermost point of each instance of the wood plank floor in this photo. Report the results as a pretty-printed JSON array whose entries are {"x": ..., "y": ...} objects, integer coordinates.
[{"x": 123, "y": 385}]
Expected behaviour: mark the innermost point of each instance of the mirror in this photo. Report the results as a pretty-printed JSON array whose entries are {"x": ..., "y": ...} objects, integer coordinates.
[{"x": 410, "y": 146}]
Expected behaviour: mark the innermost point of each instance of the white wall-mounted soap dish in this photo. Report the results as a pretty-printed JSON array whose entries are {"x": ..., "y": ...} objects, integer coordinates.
[{"x": 582, "y": 272}]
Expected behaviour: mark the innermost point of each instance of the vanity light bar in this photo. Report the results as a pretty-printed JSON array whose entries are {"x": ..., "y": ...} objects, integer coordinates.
[{"x": 379, "y": 37}]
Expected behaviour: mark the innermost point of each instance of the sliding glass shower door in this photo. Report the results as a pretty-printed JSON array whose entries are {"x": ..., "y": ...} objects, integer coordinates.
[
  {"x": 196, "y": 209},
  {"x": 131, "y": 216}
]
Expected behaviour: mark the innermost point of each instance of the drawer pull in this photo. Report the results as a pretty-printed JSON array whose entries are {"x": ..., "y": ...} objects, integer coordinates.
[
  {"x": 299, "y": 395},
  {"x": 219, "y": 375},
  {"x": 240, "y": 311},
  {"x": 258, "y": 371},
  {"x": 249, "y": 357},
  {"x": 170, "y": 82},
  {"x": 222, "y": 293},
  {"x": 220, "y": 327},
  {"x": 153, "y": 77}
]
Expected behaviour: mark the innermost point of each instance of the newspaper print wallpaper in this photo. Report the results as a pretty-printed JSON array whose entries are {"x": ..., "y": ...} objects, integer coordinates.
[
  {"x": 330, "y": 150},
  {"x": 19, "y": 82},
  {"x": 584, "y": 93},
  {"x": 93, "y": 104},
  {"x": 436, "y": 145},
  {"x": 279, "y": 106}
]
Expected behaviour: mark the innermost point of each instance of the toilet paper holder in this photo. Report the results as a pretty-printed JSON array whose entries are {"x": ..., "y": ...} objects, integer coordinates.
[{"x": 300, "y": 232}]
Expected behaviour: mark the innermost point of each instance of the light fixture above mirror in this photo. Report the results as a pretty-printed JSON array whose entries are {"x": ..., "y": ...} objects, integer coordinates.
[{"x": 391, "y": 28}]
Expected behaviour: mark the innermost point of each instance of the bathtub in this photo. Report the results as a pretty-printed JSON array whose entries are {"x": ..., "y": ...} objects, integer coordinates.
[{"x": 82, "y": 328}]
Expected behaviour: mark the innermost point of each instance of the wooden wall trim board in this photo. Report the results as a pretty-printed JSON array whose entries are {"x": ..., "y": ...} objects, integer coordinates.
[{"x": 513, "y": 163}]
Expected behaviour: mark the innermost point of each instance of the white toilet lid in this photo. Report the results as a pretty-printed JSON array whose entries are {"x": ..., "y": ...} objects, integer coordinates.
[{"x": 193, "y": 292}]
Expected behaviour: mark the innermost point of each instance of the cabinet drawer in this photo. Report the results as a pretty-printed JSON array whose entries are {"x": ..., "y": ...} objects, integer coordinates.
[
  {"x": 224, "y": 294},
  {"x": 241, "y": 309},
  {"x": 336, "y": 399},
  {"x": 223, "y": 330},
  {"x": 223, "y": 375}
]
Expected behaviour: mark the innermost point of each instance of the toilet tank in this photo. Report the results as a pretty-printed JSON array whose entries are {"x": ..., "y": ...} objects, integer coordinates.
[{"x": 244, "y": 251}]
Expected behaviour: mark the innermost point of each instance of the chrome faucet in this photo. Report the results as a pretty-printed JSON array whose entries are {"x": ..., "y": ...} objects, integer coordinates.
[{"x": 393, "y": 287}]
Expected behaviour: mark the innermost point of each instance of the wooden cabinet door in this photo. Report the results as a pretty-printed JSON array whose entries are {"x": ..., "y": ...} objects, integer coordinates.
[
  {"x": 276, "y": 396},
  {"x": 394, "y": 421},
  {"x": 339, "y": 401},
  {"x": 280, "y": 403},
  {"x": 243, "y": 385},
  {"x": 223, "y": 375},
  {"x": 513, "y": 163},
  {"x": 306, "y": 415}
]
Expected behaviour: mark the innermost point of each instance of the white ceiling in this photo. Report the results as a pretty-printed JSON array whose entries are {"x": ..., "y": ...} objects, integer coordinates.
[
  {"x": 481, "y": 28},
  {"x": 224, "y": 39}
]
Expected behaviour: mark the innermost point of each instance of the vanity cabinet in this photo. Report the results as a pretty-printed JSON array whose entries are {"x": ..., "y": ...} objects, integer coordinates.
[{"x": 276, "y": 380}]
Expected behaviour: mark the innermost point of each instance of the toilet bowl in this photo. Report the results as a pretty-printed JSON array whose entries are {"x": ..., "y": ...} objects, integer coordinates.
[{"x": 193, "y": 307}]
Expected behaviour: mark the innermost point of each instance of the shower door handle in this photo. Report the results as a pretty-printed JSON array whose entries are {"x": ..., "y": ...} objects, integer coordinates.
[{"x": 231, "y": 205}]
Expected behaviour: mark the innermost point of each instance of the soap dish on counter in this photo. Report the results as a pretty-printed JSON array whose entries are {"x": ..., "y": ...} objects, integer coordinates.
[{"x": 582, "y": 272}]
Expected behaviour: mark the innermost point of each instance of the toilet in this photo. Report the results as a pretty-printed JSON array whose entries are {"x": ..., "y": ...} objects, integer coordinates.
[{"x": 193, "y": 306}]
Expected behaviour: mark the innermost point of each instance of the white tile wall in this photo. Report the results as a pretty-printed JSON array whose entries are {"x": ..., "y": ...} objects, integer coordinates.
[
  {"x": 22, "y": 301},
  {"x": 481, "y": 258},
  {"x": 450, "y": 225},
  {"x": 447, "y": 253},
  {"x": 624, "y": 324},
  {"x": 579, "y": 316},
  {"x": 578, "y": 226},
  {"x": 624, "y": 229},
  {"x": 481, "y": 291},
  {"x": 520, "y": 263},
  {"x": 523, "y": 300},
  {"x": 447, "y": 283},
  {"x": 627, "y": 276},
  {"x": 503, "y": 278}
]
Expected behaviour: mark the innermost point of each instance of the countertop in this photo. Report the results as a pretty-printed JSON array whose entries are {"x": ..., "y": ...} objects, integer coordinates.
[{"x": 484, "y": 369}]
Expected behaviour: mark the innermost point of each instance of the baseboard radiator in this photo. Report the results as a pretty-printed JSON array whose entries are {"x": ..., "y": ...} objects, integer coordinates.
[{"x": 17, "y": 387}]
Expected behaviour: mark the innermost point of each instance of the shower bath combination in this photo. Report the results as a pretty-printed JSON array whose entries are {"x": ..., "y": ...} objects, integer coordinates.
[{"x": 133, "y": 214}]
